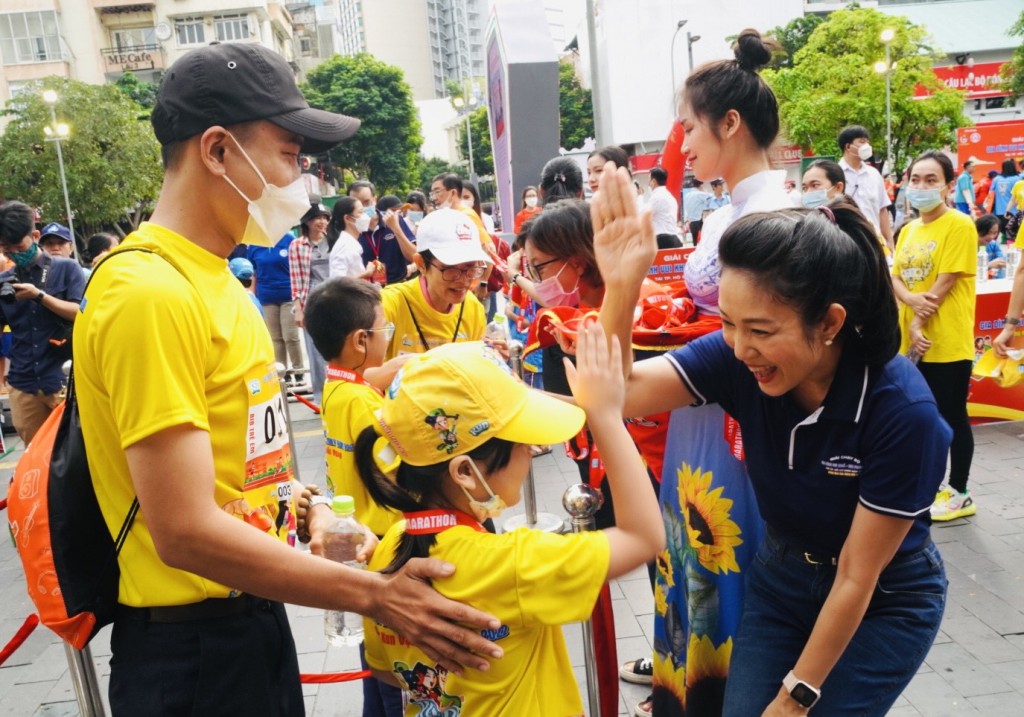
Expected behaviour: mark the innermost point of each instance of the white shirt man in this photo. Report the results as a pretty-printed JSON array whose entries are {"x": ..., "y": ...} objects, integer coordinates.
[
  {"x": 863, "y": 182},
  {"x": 664, "y": 211}
]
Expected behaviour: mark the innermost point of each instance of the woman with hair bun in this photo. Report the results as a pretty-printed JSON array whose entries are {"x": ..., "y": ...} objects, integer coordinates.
[
  {"x": 731, "y": 118},
  {"x": 844, "y": 448},
  {"x": 561, "y": 178}
]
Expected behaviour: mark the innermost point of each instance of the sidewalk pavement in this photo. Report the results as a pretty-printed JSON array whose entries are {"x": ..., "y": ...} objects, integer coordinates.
[{"x": 976, "y": 665}]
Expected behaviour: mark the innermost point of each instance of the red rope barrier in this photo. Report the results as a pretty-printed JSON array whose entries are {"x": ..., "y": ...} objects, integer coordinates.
[
  {"x": 19, "y": 637},
  {"x": 335, "y": 677},
  {"x": 309, "y": 404}
]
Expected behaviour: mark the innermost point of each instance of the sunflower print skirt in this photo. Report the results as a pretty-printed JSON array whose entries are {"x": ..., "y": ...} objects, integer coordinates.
[{"x": 713, "y": 529}]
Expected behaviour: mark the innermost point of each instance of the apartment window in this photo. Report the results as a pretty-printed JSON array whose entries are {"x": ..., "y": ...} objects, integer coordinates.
[
  {"x": 231, "y": 27},
  {"x": 190, "y": 31},
  {"x": 134, "y": 37},
  {"x": 306, "y": 46},
  {"x": 29, "y": 37},
  {"x": 16, "y": 88}
]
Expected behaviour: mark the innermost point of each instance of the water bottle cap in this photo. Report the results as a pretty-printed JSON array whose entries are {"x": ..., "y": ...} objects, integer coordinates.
[{"x": 343, "y": 505}]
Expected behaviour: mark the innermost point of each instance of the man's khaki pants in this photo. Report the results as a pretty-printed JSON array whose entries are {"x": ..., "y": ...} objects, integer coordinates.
[{"x": 29, "y": 410}]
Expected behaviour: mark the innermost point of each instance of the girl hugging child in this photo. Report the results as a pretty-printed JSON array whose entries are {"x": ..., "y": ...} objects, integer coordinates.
[{"x": 451, "y": 447}]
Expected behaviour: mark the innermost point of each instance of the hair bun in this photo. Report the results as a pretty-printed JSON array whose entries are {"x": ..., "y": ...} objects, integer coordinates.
[{"x": 752, "y": 52}]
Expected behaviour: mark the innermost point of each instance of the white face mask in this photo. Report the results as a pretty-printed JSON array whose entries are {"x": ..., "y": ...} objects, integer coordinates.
[
  {"x": 551, "y": 293},
  {"x": 276, "y": 210},
  {"x": 362, "y": 223},
  {"x": 490, "y": 508},
  {"x": 865, "y": 151},
  {"x": 467, "y": 203},
  {"x": 531, "y": 202}
]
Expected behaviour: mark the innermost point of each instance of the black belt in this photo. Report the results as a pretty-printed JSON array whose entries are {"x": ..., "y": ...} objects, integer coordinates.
[
  {"x": 808, "y": 556},
  {"x": 209, "y": 609}
]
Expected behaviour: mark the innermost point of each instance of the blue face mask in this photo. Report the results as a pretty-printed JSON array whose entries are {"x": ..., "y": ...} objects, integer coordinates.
[
  {"x": 817, "y": 198},
  {"x": 924, "y": 200},
  {"x": 22, "y": 259},
  {"x": 414, "y": 217},
  {"x": 370, "y": 211}
]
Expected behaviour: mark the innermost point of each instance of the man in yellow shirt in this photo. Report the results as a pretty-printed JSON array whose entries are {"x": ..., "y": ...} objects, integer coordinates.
[
  {"x": 438, "y": 307},
  {"x": 180, "y": 408}
]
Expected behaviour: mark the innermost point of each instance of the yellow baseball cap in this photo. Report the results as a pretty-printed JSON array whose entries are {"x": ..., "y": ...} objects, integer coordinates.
[{"x": 456, "y": 397}]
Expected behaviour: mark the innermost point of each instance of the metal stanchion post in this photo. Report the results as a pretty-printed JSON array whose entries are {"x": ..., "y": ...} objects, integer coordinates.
[
  {"x": 280, "y": 368},
  {"x": 83, "y": 678},
  {"x": 546, "y": 522},
  {"x": 582, "y": 502}
]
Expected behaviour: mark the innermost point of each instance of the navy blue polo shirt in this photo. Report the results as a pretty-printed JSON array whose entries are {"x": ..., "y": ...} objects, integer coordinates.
[
  {"x": 35, "y": 365},
  {"x": 876, "y": 440},
  {"x": 382, "y": 244}
]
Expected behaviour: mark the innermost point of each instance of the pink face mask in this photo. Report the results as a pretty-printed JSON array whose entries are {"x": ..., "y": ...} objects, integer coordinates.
[{"x": 551, "y": 293}]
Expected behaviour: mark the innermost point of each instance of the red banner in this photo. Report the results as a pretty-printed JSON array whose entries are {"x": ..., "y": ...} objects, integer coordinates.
[
  {"x": 991, "y": 142},
  {"x": 981, "y": 80},
  {"x": 986, "y": 401},
  {"x": 668, "y": 264}
]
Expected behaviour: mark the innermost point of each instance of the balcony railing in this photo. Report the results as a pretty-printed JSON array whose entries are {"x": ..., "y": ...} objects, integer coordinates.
[{"x": 132, "y": 59}]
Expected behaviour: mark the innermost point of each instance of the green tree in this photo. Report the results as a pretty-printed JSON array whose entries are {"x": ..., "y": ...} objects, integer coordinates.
[
  {"x": 792, "y": 37},
  {"x": 483, "y": 161},
  {"x": 1013, "y": 71},
  {"x": 575, "y": 109},
  {"x": 833, "y": 83},
  {"x": 111, "y": 158},
  {"x": 386, "y": 147},
  {"x": 144, "y": 93},
  {"x": 428, "y": 168}
]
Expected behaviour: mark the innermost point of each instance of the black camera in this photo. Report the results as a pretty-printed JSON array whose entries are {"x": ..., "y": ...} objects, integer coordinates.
[{"x": 7, "y": 292}]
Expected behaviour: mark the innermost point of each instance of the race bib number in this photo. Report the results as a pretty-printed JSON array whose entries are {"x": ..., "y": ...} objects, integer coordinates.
[{"x": 267, "y": 490}]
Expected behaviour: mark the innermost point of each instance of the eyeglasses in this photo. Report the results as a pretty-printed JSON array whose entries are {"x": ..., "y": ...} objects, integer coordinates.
[
  {"x": 454, "y": 273},
  {"x": 388, "y": 329},
  {"x": 534, "y": 269}
]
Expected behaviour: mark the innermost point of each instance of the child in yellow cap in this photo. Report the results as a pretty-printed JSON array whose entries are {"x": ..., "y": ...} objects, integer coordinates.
[{"x": 451, "y": 447}]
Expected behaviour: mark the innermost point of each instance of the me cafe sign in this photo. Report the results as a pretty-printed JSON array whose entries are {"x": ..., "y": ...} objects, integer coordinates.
[
  {"x": 131, "y": 60},
  {"x": 980, "y": 81}
]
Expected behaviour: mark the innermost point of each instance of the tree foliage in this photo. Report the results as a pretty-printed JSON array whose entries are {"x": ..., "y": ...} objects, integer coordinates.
[
  {"x": 111, "y": 158},
  {"x": 575, "y": 109},
  {"x": 1013, "y": 71},
  {"x": 483, "y": 160},
  {"x": 792, "y": 37},
  {"x": 144, "y": 93},
  {"x": 386, "y": 147},
  {"x": 833, "y": 83},
  {"x": 428, "y": 168}
]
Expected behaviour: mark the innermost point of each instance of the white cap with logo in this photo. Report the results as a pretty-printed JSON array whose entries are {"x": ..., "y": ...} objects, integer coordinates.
[{"x": 451, "y": 237}]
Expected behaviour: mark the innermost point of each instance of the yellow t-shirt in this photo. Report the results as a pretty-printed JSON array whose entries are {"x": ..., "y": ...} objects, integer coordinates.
[
  {"x": 948, "y": 245},
  {"x": 153, "y": 350},
  {"x": 347, "y": 409},
  {"x": 533, "y": 582},
  {"x": 1018, "y": 195},
  {"x": 438, "y": 328}
]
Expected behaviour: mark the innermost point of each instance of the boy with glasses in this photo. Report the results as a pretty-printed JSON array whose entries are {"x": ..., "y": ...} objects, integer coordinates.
[{"x": 438, "y": 306}]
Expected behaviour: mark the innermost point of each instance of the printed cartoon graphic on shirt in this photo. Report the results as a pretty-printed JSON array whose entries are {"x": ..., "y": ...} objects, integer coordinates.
[
  {"x": 445, "y": 427},
  {"x": 267, "y": 502},
  {"x": 425, "y": 685},
  {"x": 917, "y": 261}
]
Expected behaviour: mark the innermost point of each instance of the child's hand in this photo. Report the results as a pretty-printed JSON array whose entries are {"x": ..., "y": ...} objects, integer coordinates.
[
  {"x": 596, "y": 380},
  {"x": 365, "y": 551},
  {"x": 918, "y": 340}
]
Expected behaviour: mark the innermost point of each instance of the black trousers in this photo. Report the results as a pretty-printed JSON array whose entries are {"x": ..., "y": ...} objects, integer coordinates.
[
  {"x": 669, "y": 241},
  {"x": 695, "y": 231},
  {"x": 243, "y": 664},
  {"x": 949, "y": 383}
]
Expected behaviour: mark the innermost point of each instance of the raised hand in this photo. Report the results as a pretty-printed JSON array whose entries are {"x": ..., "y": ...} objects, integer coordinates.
[{"x": 624, "y": 241}]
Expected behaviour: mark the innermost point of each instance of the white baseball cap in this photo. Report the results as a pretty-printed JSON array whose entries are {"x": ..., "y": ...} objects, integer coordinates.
[{"x": 451, "y": 237}]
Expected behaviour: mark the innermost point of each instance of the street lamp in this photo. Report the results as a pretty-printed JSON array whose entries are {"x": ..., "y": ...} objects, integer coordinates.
[
  {"x": 58, "y": 132},
  {"x": 887, "y": 37},
  {"x": 466, "y": 110},
  {"x": 679, "y": 26},
  {"x": 690, "y": 39}
]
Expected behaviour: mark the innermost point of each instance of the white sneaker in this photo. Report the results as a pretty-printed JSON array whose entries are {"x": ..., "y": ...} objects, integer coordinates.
[{"x": 950, "y": 505}]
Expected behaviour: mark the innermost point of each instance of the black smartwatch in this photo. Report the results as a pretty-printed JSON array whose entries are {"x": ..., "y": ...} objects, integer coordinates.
[
  {"x": 801, "y": 692},
  {"x": 38, "y": 298}
]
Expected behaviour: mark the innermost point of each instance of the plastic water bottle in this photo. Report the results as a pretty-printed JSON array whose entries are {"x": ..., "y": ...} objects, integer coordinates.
[
  {"x": 342, "y": 540},
  {"x": 982, "y": 265}
]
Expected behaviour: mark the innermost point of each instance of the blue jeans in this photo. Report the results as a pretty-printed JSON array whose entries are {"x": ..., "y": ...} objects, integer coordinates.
[{"x": 785, "y": 593}]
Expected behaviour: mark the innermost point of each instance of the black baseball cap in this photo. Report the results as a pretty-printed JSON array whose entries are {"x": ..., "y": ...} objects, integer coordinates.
[{"x": 235, "y": 82}]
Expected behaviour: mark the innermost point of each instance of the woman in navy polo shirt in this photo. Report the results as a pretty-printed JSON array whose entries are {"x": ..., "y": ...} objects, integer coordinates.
[{"x": 843, "y": 444}]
